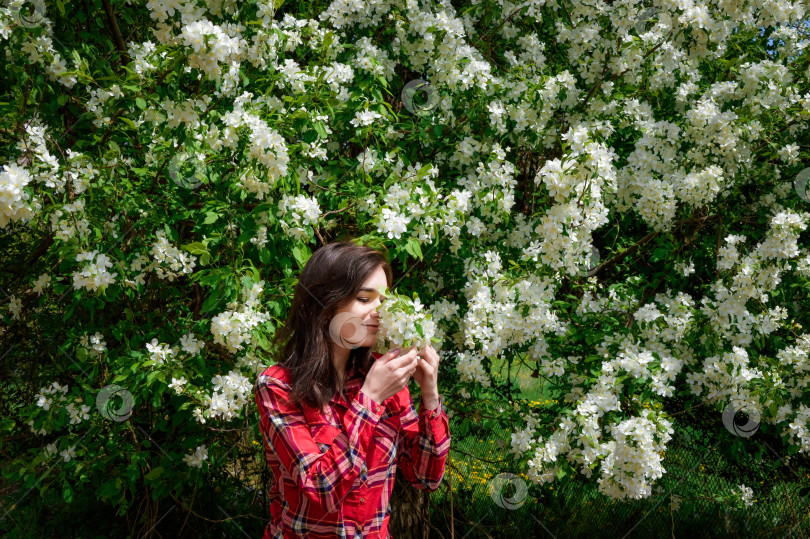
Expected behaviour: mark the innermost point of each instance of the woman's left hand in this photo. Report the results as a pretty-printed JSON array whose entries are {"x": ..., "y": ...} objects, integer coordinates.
[{"x": 427, "y": 376}]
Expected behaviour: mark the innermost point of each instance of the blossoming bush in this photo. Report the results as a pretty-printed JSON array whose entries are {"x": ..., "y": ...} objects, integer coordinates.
[{"x": 160, "y": 191}]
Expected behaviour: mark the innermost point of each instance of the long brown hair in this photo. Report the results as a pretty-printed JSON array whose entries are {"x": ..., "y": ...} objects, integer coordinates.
[{"x": 330, "y": 280}]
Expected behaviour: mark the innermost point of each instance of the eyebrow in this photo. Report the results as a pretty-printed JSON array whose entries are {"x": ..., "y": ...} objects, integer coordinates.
[{"x": 368, "y": 290}]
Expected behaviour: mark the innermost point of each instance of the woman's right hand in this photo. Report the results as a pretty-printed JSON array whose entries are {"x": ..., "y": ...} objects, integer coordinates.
[{"x": 389, "y": 374}]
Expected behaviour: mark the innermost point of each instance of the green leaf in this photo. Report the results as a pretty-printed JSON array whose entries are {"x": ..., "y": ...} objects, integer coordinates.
[
  {"x": 210, "y": 217},
  {"x": 301, "y": 254},
  {"x": 170, "y": 232},
  {"x": 261, "y": 340},
  {"x": 792, "y": 450},
  {"x": 154, "y": 474},
  {"x": 67, "y": 492},
  {"x": 141, "y": 103},
  {"x": 6, "y": 424},
  {"x": 195, "y": 248},
  {"x": 327, "y": 40},
  {"x": 212, "y": 300},
  {"x": 264, "y": 256},
  {"x": 413, "y": 248},
  {"x": 151, "y": 377}
]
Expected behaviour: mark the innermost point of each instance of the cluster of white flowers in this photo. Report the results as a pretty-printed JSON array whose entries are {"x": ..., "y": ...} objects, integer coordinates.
[
  {"x": 407, "y": 201},
  {"x": 799, "y": 428},
  {"x": 364, "y": 118},
  {"x": 592, "y": 302},
  {"x": 502, "y": 314},
  {"x": 42, "y": 282},
  {"x": 301, "y": 211},
  {"x": 402, "y": 319},
  {"x": 13, "y": 199},
  {"x": 94, "y": 274},
  {"x": 746, "y": 494},
  {"x": 197, "y": 458},
  {"x": 162, "y": 353},
  {"x": 68, "y": 454},
  {"x": 169, "y": 261},
  {"x": 373, "y": 60},
  {"x": 267, "y": 146},
  {"x": 230, "y": 394},
  {"x": 140, "y": 53},
  {"x": 70, "y": 221},
  {"x": 40, "y": 50},
  {"x": 470, "y": 369},
  {"x": 212, "y": 46},
  {"x": 47, "y": 395},
  {"x": 522, "y": 439},
  {"x": 178, "y": 384},
  {"x": 232, "y": 328},
  {"x": 78, "y": 413},
  {"x": 95, "y": 344},
  {"x": 15, "y": 307},
  {"x": 260, "y": 239},
  {"x": 191, "y": 344},
  {"x": 634, "y": 458}
]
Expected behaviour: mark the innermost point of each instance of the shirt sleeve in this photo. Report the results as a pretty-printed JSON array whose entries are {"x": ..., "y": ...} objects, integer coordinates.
[
  {"x": 324, "y": 478},
  {"x": 425, "y": 444}
]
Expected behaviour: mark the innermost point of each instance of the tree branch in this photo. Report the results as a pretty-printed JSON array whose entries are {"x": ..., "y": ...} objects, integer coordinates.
[{"x": 115, "y": 31}]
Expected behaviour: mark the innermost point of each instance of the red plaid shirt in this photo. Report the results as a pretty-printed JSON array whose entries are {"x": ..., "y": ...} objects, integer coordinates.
[{"x": 333, "y": 470}]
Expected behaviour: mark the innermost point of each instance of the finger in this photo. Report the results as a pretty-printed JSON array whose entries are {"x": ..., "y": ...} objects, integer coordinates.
[
  {"x": 430, "y": 356},
  {"x": 407, "y": 367},
  {"x": 391, "y": 354},
  {"x": 403, "y": 358}
]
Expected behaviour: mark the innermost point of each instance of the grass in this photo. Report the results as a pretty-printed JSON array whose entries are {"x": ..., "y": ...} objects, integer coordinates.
[{"x": 690, "y": 500}]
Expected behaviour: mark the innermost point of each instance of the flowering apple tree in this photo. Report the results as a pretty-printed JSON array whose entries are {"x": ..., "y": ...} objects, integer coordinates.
[{"x": 608, "y": 196}]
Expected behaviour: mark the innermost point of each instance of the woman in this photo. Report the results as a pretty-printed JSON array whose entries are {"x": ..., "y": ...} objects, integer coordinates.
[{"x": 338, "y": 419}]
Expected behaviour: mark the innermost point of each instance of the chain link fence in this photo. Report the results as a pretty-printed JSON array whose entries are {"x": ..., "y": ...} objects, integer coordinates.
[{"x": 491, "y": 499}]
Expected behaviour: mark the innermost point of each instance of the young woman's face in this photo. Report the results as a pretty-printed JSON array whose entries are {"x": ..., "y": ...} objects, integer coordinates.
[{"x": 357, "y": 324}]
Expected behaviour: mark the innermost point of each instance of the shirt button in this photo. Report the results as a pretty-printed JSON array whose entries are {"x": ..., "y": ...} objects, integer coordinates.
[{"x": 362, "y": 500}]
